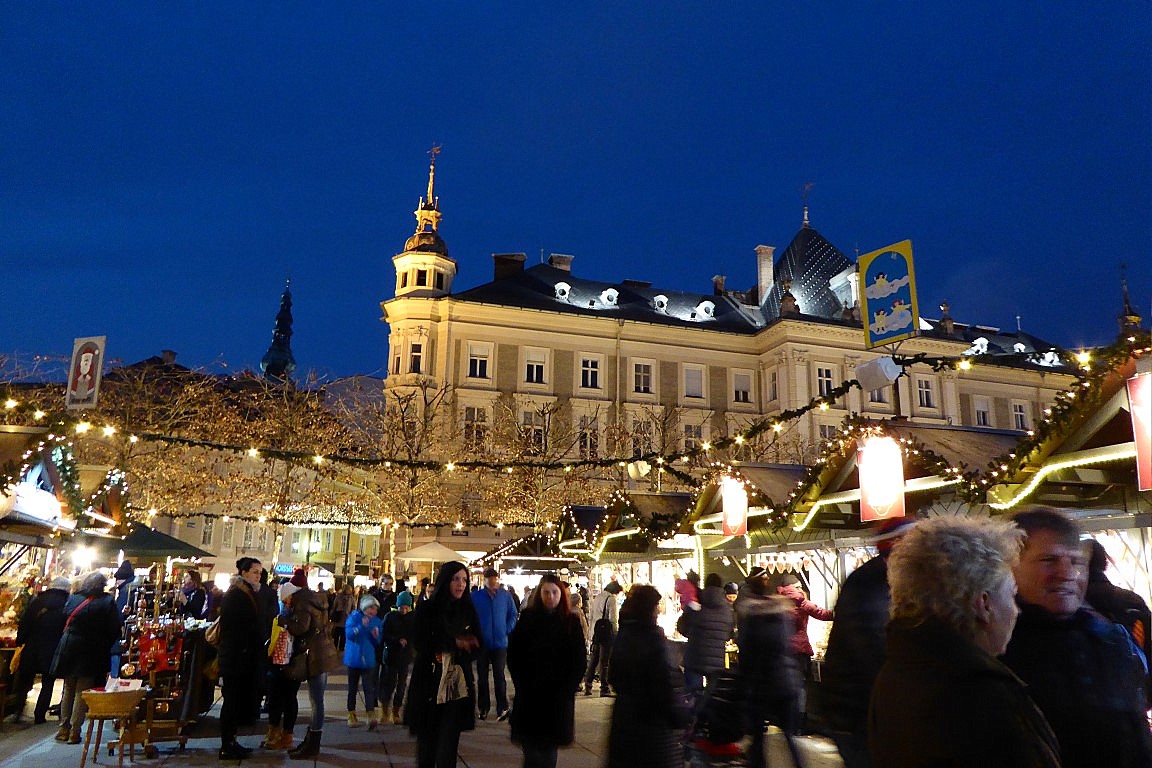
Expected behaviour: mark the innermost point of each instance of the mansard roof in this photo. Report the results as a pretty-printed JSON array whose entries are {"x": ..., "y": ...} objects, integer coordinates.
[{"x": 547, "y": 288}]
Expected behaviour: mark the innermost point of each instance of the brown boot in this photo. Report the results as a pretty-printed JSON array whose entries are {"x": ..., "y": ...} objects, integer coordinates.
[
  {"x": 272, "y": 740},
  {"x": 373, "y": 718},
  {"x": 74, "y": 736},
  {"x": 285, "y": 741},
  {"x": 62, "y": 732}
]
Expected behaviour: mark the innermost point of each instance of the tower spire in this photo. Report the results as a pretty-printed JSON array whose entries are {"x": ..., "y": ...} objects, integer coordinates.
[
  {"x": 428, "y": 212},
  {"x": 1129, "y": 317},
  {"x": 278, "y": 363}
]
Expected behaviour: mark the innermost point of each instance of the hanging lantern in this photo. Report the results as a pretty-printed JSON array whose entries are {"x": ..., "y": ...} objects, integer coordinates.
[
  {"x": 1140, "y": 405},
  {"x": 735, "y": 501},
  {"x": 881, "y": 465}
]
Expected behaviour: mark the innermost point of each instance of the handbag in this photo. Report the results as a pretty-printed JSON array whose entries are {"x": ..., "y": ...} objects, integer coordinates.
[
  {"x": 14, "y": 664},
  {"x": 280, "y": 647},
  {"x": 453, "y": 686},
  {"x": 602, "y": 629},
  {"x": 212, "y": 634}
]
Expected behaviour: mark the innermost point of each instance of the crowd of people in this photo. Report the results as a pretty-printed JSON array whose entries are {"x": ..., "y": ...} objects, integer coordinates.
[{"x": 965, "y": 641}]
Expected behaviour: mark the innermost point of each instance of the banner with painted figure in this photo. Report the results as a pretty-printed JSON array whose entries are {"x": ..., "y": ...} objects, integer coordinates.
[
  {"x": 888, "y": 295},
  {"x": 84, "y": 372}
]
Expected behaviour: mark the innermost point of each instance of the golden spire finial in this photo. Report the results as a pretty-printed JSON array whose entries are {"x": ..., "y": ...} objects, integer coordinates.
[{"x": 432, "y": 174}]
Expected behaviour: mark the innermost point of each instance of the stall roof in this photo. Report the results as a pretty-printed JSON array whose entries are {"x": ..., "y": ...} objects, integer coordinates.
[
  {"x": 143, "y": 543},
  {"x": 535, "y": 553}
]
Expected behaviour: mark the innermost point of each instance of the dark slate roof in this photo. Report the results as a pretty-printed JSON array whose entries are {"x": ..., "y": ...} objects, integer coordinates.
[
  {"x": 535, "y": 288},
  {"x": 809, "y": 262}
]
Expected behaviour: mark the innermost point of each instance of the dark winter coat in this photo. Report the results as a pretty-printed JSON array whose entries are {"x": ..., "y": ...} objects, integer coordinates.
[
  {"x": 1087, "y": 680},
  {"x": 855, "y": 646},
  {"x": 308, "y": 623},
  {"x": 397, "y": 627},
  {"x": 435, "y": 626},
  {"x": 1127, "y": 609},
  {"x": 241, "y": 637},
  {"x": 546, "y": 659},
  {"x": 40, "y": 629},
  {"x": 802, "y": 609},
  {"x": 939, "y": 700},
  {"x": 769, "y": 674},
  {"x": 709, "y": 631},
  {"x": 646, "y": 718},
  {"x": 85, "y": 649}
]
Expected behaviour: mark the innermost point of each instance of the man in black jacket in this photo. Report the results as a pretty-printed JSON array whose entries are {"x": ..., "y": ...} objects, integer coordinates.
[
  {"x": 39, "y": 632},
  {"x": 1081, "y": 669},
  {"x": 241, "y": 646}
]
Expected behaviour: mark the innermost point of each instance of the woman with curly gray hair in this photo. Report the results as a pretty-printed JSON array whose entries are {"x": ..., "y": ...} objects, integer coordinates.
[{"x": 941, "y": 697}]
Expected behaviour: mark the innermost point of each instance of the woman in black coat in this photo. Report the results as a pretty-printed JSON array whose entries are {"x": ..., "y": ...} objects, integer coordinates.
[
  {"x": 39, "y": 632},
  {"x": 84, "y": 657},
  {"x": 546, "y": 657},
  {"x": 646, "y": 717},
  {"x": 445, "y": 629}
]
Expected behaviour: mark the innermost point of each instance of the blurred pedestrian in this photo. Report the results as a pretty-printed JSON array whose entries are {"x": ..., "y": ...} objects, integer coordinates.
[
  {"x": 941, "y": 697},
  {"x": 241, "y": 646},
  {"x": 39, "y": 631},
  {"x": 647, "y": 716},
  {"x": 442, "y": 694},
  {"x": 343, "y": 604},
  {"x": 312, "y": 633},
  {"x": 605, "y": 618},
  {"x": 709, "y": 631},
  {"x": 397, "y": 656},
  {"x": 546, "y": 656}
]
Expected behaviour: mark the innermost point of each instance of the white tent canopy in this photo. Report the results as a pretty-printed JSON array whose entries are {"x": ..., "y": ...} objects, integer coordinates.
[{"x": 433, "y": 552}]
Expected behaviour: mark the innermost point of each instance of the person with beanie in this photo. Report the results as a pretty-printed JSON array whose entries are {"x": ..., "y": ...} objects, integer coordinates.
[
  {"x": 398, "y": 654},
  {"x": 39, "y": 631},
  {"x": 363, "y": 636},
  {"x": 308, "y": 622},
  {"x": 283, "y": 691},
  {"x": 125, "y": 576}
]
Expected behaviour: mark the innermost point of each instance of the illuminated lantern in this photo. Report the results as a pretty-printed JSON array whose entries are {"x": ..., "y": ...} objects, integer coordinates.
[
  {"x": 735, "y": 506},
  {"x": 881, "y": 464},
  {"x": 1140, "y": 403}
]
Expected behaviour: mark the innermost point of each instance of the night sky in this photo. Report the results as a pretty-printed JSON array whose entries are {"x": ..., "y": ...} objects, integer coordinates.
[{"x": 164, "y": 167}]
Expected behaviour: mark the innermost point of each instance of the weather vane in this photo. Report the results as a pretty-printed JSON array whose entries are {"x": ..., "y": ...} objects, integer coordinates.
[{"x": 433, "y": 152}]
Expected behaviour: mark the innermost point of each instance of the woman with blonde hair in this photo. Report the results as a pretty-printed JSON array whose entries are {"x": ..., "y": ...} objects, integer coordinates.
[{"x": 942, "y": 697}]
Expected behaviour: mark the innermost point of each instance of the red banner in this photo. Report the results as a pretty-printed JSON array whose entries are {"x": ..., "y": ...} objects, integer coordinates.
[
  {"x": 1140, "y": 403},
  {"x": 881, "y": 464}
]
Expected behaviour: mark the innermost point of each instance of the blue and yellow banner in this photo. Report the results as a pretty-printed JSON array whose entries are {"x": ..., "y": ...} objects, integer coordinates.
[{"x": 888, "y": 295}]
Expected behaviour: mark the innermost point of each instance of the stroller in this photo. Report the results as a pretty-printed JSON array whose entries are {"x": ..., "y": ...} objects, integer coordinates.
[{"x": 715, "y": 734}]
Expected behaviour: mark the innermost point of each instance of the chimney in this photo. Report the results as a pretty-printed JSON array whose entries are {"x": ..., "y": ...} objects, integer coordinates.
[
  {"x": 168, "y": 356},
  {"x": 764, "y": 271},
  {"x": 718, "y": 285},
  {"x": 508, "y": 264},
  {"x": 561, "y": 261}
]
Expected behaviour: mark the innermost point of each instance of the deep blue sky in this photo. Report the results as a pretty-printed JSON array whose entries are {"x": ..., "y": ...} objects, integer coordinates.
[{"x": 164, "y": 166}]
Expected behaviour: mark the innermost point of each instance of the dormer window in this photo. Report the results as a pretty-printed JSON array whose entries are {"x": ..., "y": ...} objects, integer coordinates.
[
  {"x": 563, "y": 290},
  {"x": 704, "y": 310},
  {"x": 660, "y": 302},
  {"x": 609, "y": 296}
]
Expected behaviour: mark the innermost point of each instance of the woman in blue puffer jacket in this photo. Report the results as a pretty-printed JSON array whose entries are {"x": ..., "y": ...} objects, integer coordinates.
[{"x": 364, "y": 633}]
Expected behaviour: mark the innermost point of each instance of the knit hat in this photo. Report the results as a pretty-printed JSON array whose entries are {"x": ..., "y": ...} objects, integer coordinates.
[
  {"x": 890, "y": 531},
  {"x": 756, "y": 573},
  {"x": 404, "y": 599},
  {"x": 300, "y": 578},
  {"x": 731, "y": 588},
  {"x": 61, "y": 582},
  {"x": 125, "y": 572},
  {"x": 788, "y": 579},
  {"x": 287, "y": 589},
  {"x": 367, "y": 602},
  {"x": 613, "y": 588}
]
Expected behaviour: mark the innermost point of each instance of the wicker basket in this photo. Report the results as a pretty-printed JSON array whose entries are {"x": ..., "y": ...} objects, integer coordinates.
[{"x": 112, "y": 703}]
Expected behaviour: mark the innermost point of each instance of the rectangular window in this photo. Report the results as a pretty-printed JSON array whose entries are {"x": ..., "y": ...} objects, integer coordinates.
[
  {"x": 475, "y": 427},
  {"x": 1020, "y": 416},
  {"x": 326, "y": 537},
  {"x": 360, "y": 545},
  {"x": 206, "y": 534},
  {"x": 478, "y": 361},
  {"x": 404, "y": 280},
  {"x": 878, "y": 395},
  {"x": 421, "y": 277},
  {"x": 228, "y": 534},
  {"x": 589, "y": 437},
  {"x": 693, "y": 382},
  {"x": 396, "y": 365},
  {"x": 742, "y": 387},
  {"x": 693, "y": 436},
  {"x": 262, "y": 537},
  {"x": 249, "y": 535},
  {"x": 924, "y": 394},
  {"x": 295, "y": 541},
  {"x": 535, "y": 360},
  {"x": 641, "y": 437},
  {"x": 439, "y": 287},
  {"x": 375, "y": 547},
  {"x": 533, "y": 431},
  {"x": 642, "y": 378},
  {"x": 827, "y": 431},
  {"x": 343, "y": 543},
  {"x": 590, "y": 373},
  {"x": 416, "y": 358},
  {"x": 773, "y": 387},
  {"x": 824, "y": 381},
  {"x": 983, "y": 411}
]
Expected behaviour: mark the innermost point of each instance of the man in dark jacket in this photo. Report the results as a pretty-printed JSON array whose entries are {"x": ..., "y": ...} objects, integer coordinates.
[
  {"x": 1117, "y": 604},
  {"x": 83, "y": 658},
  {"x": 709, "y": 630},
  {"x": 1081, "y": 669},
  {"x": 241, "y": 646},
  {"x": 39, "y": 632},
  {"x": 769, "y": 675}
]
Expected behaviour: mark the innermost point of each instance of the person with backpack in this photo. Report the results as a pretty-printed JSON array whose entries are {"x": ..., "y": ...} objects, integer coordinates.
[{"x": 605, "y": 617}]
